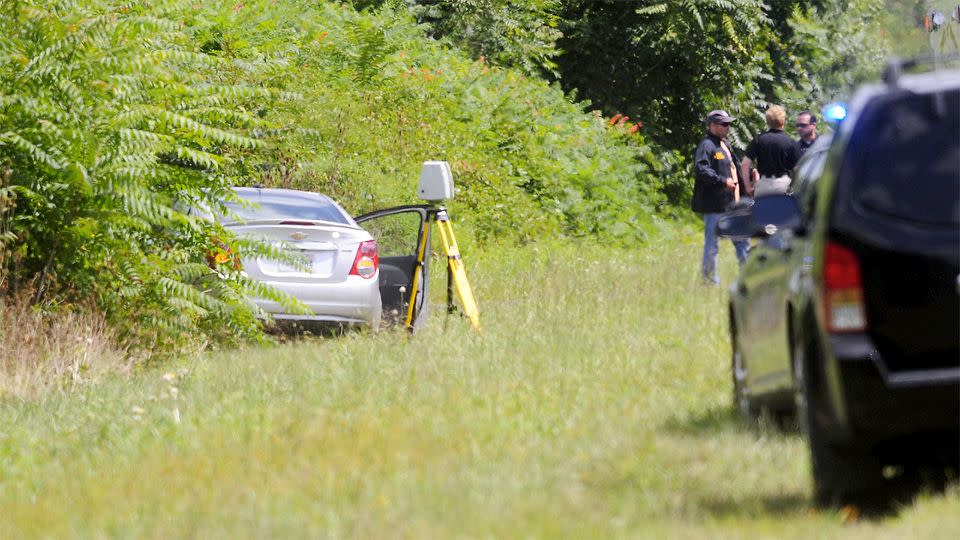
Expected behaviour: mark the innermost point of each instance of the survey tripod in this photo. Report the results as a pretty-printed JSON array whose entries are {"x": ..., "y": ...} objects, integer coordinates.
[{"x": 456, "y": 273}]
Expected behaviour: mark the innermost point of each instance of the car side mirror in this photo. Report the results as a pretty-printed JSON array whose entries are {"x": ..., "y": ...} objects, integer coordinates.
[
  {"x": 737, "y": 222},
  {"x": 767, "y": 216}
]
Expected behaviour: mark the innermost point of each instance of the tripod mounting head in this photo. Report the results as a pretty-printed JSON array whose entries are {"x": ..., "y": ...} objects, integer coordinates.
[{"x": 436, "y": 181}]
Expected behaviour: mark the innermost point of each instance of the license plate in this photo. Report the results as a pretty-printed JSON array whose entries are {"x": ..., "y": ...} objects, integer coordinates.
[{"x": 317, "y": 263}]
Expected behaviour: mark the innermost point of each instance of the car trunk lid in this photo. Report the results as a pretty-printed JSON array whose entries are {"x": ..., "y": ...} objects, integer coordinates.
[
  {"x": 326, "y": 250},
  {"x": 913, "y": 308}
]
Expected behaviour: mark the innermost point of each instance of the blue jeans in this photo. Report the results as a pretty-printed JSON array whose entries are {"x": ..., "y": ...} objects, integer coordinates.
[{"x": 711, "y": 248}]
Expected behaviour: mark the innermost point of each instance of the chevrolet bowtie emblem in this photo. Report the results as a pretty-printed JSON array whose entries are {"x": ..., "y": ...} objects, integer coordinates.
[{"x": 298, "y": 235}]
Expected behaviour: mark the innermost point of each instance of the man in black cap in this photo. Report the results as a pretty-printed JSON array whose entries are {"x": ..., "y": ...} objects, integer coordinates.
[
  {"x": 716, "y": 185},
  {"x": 807, "y": 129}
]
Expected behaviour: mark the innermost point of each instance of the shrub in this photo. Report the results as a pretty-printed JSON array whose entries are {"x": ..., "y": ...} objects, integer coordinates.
[
  {"x": 116, "y": 116},
  {"x": 108, "y": 118}
]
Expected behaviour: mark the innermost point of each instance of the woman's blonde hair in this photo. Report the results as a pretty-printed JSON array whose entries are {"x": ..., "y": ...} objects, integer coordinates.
[{"x": 776, "y": 117}]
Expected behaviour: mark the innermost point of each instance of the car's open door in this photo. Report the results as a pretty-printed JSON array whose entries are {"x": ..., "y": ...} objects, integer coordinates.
[{"x": 403, "y": 241}]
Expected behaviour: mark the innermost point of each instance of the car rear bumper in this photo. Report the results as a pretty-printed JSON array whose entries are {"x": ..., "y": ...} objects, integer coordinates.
[
  {"x": 881, "y": 407},
  {"x": 356, "y": 300}
]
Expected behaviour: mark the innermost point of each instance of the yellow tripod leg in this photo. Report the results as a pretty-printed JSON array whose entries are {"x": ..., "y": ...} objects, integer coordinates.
[
  {"x": 458, "y": 272},
  {"x": 415, "y": 288}
]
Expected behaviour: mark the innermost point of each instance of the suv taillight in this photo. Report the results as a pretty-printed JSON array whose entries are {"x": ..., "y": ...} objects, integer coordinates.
[
  {"x": 843, "y": 290},
  {"x": 367, "y": 260}
]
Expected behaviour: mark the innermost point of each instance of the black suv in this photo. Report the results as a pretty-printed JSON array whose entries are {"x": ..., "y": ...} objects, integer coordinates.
[{"x": 874, "y": 317}]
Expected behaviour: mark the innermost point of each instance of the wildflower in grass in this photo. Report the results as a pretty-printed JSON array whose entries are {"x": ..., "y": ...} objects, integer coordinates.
[{"x": 169, "y": 377}]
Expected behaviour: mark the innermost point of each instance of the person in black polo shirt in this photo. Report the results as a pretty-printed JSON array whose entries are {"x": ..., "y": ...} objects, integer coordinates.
[{"x": 775, "y": 153}]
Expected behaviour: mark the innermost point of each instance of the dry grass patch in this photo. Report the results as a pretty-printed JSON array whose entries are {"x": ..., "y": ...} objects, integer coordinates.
[{"x": 42, "y": 349}]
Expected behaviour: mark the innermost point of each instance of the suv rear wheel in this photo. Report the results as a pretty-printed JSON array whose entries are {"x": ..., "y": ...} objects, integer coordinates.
[{"x": 842, "y": 474}]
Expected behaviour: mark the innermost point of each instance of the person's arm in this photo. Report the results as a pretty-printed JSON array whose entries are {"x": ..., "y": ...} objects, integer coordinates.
[
  {"x": 702, "y": 159},
  {"x": 794, "y": 158},
  {"x": 745, "y": 166},
  {"x": 749, "y": 155}
]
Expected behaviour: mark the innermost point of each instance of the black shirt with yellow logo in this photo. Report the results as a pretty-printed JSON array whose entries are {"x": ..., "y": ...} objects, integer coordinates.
[{"x": 712, "y": 168}]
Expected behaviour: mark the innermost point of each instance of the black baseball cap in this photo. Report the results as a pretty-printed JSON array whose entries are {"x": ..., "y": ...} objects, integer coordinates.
[{"x": 719, "y": 116}]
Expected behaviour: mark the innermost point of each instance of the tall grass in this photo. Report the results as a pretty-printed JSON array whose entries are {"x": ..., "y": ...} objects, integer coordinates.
[
  {"x": 594, "y": 404},
  {"x": 42, "y": 349}
]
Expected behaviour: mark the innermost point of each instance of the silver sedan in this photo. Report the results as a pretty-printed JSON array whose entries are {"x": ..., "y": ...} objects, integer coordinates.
[{"x": 338, "y": 277}]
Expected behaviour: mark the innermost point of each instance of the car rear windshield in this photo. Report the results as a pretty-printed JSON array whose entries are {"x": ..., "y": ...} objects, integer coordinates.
[
  {"x": 910, "y": 163},
  {"x": 260, "y": 205}
]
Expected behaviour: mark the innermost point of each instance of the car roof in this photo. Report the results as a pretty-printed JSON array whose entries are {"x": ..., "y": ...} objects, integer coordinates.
[
  {"x": 934, "y": 81},
  {"x": 251, "y": 193},
  {"x": 281, "y": 192},
  {"x": 917, "y": 83}
]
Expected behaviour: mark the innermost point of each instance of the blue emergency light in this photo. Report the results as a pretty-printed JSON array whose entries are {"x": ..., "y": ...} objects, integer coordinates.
[{"x": 835, "y": 112}]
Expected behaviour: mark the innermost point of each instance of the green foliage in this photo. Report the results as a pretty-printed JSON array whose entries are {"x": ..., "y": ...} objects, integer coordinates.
[
  {"x": 374, "y": 99},
  {"x": 108, "y": 118},
  {"x": 522, "y": 35},
  {"x": 114, "y": 117},
  {"x": 829, "y": 44},
  {"x": 667, "y": 63}
]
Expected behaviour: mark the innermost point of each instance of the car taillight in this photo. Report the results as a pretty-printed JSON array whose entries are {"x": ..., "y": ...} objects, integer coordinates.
[
  {"x": 221, "y": 253},
  {"x": 843, "y": 290},
  {"x": 367, "y": 260}
]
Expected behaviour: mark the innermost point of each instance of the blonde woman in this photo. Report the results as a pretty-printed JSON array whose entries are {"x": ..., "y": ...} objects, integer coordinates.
[{"x": 775, "y": 154}]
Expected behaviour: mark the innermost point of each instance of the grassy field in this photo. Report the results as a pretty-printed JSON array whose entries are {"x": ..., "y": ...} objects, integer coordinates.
[{"x": 595, "y": 404}]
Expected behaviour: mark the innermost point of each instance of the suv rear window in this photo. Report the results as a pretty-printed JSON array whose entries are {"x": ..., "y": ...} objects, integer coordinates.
[
  {"x": 266, "y": 205},
  {"x": 910, "y": 162}
]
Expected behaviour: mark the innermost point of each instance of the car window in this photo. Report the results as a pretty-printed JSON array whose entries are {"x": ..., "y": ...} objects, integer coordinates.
[
  {"x": 396, "y": 234},
  {"x": 909, "y": 165},
  {"x": 260, "y": 204}
]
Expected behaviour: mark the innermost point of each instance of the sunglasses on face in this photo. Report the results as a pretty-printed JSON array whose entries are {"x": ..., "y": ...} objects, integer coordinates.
[
  {"x": 725, "y": 124},
  {"x": 802, "y": 125}
]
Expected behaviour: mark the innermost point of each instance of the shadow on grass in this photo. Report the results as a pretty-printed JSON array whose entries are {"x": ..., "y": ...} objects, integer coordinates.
[
  {"x": 759, "y": 505},
  {"x": 897, "y": 493},
  {"x": 292, "y": 330},
  {"x": 726, "y": 419}
]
